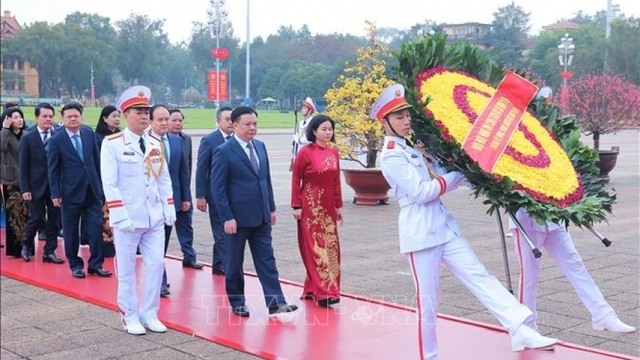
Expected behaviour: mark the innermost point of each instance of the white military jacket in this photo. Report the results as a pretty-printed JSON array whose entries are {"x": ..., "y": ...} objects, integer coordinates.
[
  {"x": 300, "y": 137},
  {"x": 137, "y": 185},
  {"x": 424, "y": 221}
]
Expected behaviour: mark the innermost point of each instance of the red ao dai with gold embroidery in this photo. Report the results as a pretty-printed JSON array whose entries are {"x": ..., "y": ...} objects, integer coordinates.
[{"x": 316, "y": 190}]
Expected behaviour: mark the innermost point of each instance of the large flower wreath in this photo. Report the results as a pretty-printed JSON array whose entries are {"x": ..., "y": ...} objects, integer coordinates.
[{"x": 545, "y": 168}]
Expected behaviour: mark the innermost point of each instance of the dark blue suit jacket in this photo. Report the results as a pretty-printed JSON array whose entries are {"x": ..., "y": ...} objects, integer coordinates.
[
  {"x": 33, "y": 164},
  {"x": 203, "y": 167},
  {"x": 179, "y": 171},
  {"x": 68, "y": 174},
  {"x": 238, "y": 192}
]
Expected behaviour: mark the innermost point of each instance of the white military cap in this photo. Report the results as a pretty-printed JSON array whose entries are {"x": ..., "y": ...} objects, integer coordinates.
[
  {"x": 309, "y": 103},
  {"x": 135, "y": 96},
  {"x": 391, "y": 99}
]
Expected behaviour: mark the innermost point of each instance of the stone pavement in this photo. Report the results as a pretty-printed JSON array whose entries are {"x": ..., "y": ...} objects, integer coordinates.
[{"x": 39, "y": 324}]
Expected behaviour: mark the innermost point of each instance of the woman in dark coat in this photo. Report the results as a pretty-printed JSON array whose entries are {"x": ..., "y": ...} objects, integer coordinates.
[
  {"x": 108, "y": 124},
  {"x": 16, "y": 208}
]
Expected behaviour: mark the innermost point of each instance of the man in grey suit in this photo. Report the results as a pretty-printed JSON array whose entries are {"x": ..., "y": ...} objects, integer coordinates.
[
  {"x": 243, "y": 194},
  {"x": 208, "y": 144}
]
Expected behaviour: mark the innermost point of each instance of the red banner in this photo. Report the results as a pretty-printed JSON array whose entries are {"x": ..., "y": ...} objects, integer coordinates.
[
  {"x": 213, "y": 94},
  {"x": 493, "y": 129}
]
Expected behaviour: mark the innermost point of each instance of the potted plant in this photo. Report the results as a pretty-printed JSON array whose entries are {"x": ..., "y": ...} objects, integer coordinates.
[
  {"x": 603, "y": 104},
  {"x": 358, "y": 137}
]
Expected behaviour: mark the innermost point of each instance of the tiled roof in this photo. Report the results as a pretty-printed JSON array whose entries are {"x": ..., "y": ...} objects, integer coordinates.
[{"x": 9, "y": 26}]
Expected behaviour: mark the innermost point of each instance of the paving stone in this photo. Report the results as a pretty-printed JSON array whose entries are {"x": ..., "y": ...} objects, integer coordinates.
[
  {"x": 70, "y": 327},
  {"x": 8, "y": 355},
  {"x": 202, "y": 349},
  {"x": 94, "y": 335},
  {"x": 162, "y": 353},
  {"x": 124, "y": 345},
  {"x": 36, "y": 344},
  {"x": 76, "y": 353},
  {"x": 172, "y": 338}
]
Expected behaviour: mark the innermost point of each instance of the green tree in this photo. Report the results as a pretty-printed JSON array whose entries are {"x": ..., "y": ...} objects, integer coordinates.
[
  {"x": 270, "y": 84},
  {"x": 305, "y": 79},
  {"x": 181, "y": 73},
  {"x": 141, "y": 44},
  {"x": 99, "y": 46},
  {"x": 624, "y": 47},
  {"x": 508, "y": 37},
  {"x": 82, "y": 49},
  {"x": 43, "y": 46},
  {"x": 543, "y": 57}
]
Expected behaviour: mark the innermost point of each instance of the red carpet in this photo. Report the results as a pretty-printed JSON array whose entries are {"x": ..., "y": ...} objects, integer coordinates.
[{"x": 356, "y": 329}]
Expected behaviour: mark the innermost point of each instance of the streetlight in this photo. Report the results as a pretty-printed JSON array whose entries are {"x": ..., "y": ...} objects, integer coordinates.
[
  {"x": 218, "y": 18},
  {"x": 93, "y": 87},
  {"x": 607, "y": 35},
  {"x": 247, "y": 78},
  {"x": 566, "y": 49}
]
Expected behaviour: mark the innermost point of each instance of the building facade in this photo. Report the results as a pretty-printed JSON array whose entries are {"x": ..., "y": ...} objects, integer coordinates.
[
  {"x": 19, "y": 78},
  {"x": 471, "y": 31}
]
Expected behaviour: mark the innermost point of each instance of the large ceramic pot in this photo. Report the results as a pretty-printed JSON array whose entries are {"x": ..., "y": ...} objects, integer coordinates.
[
  {"x": 607, "y": 162},
  {"x": 369, "y": 185}
]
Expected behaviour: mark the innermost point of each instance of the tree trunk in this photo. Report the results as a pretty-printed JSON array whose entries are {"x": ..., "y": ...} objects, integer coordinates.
[
  {"x": 371, "y": 159},
  {"x": 596, "y": 141}
]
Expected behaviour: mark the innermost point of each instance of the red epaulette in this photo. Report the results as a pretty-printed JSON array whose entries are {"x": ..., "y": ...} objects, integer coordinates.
[{"x": 391, "y": 144}]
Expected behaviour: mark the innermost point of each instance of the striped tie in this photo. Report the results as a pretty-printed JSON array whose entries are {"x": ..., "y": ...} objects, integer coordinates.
[
  {"x": 78, "y": 146},
  {"x": 253, "y": 158}
]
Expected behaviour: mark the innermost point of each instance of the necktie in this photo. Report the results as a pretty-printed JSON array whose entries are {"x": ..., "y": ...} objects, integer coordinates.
[
  {"x": 253, "y": 158},
  {"x": 78, "y": 146},
  {"x": 226, "y": 138},
  {"x": 45, "y": 140},
  {"x": 142, "y": 147},
  {"x": 165, "y": 142}
]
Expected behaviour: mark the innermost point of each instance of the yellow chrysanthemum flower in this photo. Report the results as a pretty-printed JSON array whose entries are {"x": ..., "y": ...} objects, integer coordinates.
[{"x": 533, "y": 159}]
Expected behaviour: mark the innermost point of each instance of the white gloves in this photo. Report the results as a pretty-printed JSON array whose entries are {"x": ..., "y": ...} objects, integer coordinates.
[
  {"x": 125, "y": 226},
  {"x": 453, "y": 179},
  {"x": 465, "y": 182},
  {"x": 169, "y": 220}
]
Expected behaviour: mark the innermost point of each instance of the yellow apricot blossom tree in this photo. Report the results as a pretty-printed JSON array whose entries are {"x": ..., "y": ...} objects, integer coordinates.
[{"x": 359, "y": 138}]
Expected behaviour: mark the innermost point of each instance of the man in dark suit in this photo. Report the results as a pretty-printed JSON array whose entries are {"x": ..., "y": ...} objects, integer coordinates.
[
  {"x": 242, "y": 191},
  {"x": 210, "y": 142},
  {"x": 184, "y": 214},
  {"x": 176, "y": 123},
  {"x": 41, "y": 230},
  {"x": 34, "y": 185},
  {"x": 74, "y": 179},
  {"x": 180, "y": 182}
]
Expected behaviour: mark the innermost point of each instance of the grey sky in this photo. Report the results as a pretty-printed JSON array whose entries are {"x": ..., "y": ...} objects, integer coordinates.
[{"x": 321, "y": 16}]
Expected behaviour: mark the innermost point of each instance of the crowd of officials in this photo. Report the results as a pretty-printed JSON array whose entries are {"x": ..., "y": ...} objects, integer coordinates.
[{"x": 124, "y": 190}]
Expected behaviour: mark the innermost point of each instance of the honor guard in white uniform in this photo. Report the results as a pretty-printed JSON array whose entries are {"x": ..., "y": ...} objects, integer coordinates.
[
  {"x": 430, "y": 236},
  {"x": 557, "y": 243},
  {"x": 300, "y": 138},
  {"x": 137, "y": 188}
]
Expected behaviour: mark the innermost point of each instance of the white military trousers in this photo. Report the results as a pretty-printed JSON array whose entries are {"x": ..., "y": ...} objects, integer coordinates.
[
  {"x": 556, "y": 244},
  {"x": 460, "y": 259},
  {"x": 151, "y": 243}
]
